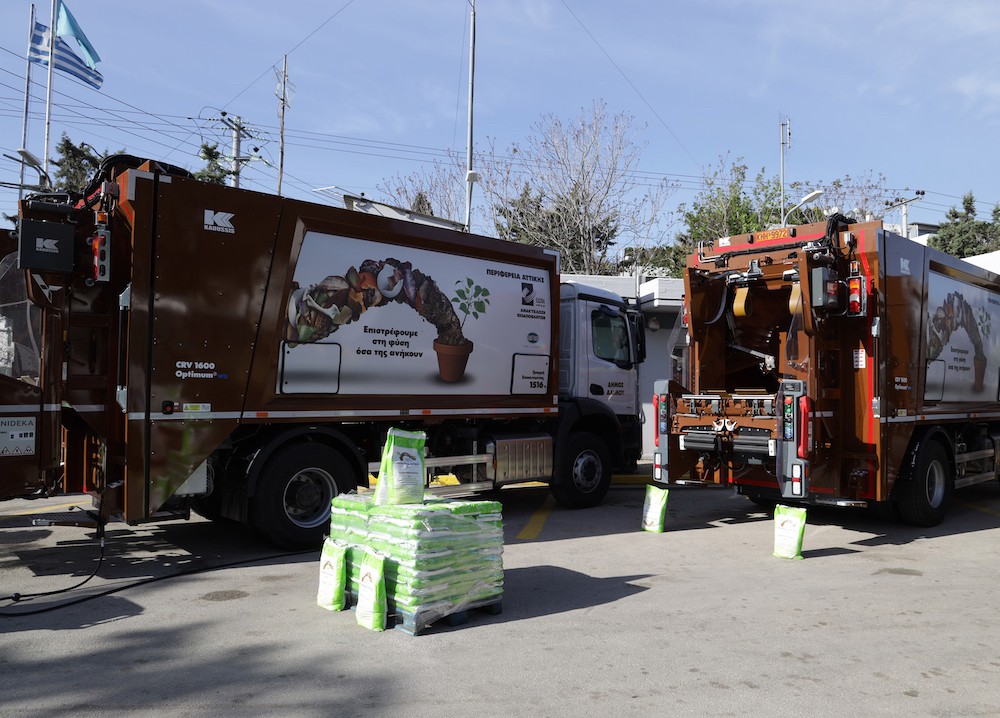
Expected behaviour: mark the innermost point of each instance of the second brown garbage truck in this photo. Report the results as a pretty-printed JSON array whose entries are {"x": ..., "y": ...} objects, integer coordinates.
[
  {"x": 167, "y": 344},
  {"x": 833, "y": 363}
]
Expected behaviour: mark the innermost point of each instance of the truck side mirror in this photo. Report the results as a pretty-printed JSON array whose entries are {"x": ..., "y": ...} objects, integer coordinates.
[{"x": 637, "y": 326}]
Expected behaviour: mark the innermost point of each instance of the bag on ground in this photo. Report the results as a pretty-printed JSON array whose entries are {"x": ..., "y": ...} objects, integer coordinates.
[
  {"x": 371, "y": 608},
  {"x": 654, "y": 509},
  {"x": 332, "y": 575},
  {"x": 789, "y": 529}
]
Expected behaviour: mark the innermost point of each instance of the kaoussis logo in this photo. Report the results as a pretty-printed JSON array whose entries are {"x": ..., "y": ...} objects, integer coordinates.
[
  {"x": 219, "y": 221},
  {"x": 49, "y": 246}
]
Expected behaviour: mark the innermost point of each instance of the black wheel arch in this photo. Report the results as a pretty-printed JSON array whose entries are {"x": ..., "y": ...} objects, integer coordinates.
[
  {"x": 331, "y": 437},
  {"x": 593, "y": 416},
  {"x": 937, "y": 433}
]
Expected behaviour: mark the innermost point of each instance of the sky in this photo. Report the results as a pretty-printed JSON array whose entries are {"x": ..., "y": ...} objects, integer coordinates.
[{"x": 907, "y": 90}]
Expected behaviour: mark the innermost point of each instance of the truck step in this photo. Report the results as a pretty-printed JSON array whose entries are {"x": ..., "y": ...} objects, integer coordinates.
[
  {"x": 83, "y": 519},
  {"x": 843, "y": 503},
  {"x": 454, "y": 491}
]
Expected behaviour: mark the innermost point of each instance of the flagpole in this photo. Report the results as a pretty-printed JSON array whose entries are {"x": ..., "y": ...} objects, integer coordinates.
[
  {"x": 470, "y": 176},
  {"x": 48, "y": 92},
  {"x": 27, "y": 96}
]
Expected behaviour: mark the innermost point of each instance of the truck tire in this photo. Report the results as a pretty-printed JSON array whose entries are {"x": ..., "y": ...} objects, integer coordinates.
[
  {"x": 292, "y": 505},
  {"x": 585, "y": 472},
  {"x": 925, "y": 493}
]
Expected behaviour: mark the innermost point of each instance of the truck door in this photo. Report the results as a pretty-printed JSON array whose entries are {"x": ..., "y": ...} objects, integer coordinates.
[
  {"x": 611, "y": 372},
  {"x": 28, "y": 426}
]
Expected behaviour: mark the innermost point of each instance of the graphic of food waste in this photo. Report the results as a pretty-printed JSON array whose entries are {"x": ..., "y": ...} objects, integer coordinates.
[
  {"x": 315, "y": 312},
  {"x": 956, "y": 313}
]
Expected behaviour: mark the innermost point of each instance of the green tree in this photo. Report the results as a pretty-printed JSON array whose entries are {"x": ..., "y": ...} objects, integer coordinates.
[
  {"x": 422, "y": 205},
  {"x": 726, "y": 205},
  {"x": 213, "y": 172},
  {"x": 962, "y": 235},
  {"x": 729, "y": 204},
  {"x": 555, "y": 223},
  {"x": 75, "y": 166}
]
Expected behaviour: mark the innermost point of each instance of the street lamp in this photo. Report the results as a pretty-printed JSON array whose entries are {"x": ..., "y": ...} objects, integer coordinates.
[
  {"x": 805, "y": 200},
  {"x": 36, "y": 164}
]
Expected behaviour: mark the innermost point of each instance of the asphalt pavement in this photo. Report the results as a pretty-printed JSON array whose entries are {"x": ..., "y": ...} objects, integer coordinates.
[{"x": 599, "y": 618}]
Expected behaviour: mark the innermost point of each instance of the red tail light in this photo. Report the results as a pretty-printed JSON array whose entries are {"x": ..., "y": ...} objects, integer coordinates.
[
  {"x": 656, "y": 419},
  {"x": 855, "y": 286},
  {"x": 803, "y": 446}
]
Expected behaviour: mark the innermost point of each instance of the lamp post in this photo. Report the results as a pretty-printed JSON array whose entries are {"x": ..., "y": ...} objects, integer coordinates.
[{"x": 805, "y": 200}]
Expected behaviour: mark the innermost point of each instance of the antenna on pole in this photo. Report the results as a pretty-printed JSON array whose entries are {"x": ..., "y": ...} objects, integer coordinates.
[
  {"x": 282, "y": 93},
  {"x": 785, "y": 142},
  {"x": 470, "y": 175}
]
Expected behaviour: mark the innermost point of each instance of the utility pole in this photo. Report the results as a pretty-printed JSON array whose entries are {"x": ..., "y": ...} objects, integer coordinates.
[
  {"x": 903, "y": 204},
  {"x": 284, "y": 102},
  {"x": 235, "y": 123},
  {"x": 785, "y": 142}
]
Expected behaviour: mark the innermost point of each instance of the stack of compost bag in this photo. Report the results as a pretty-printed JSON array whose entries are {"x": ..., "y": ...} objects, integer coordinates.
[{"x": 440, "y": 557}]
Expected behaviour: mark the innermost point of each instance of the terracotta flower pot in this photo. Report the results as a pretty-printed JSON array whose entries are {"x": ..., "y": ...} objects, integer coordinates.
[
  {"x": 452, "y": 359},
  {"x": 980, "y": 366}
]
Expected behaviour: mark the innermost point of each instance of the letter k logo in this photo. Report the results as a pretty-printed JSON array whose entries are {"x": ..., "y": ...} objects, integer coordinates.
[{"x": 218, "y": 219}]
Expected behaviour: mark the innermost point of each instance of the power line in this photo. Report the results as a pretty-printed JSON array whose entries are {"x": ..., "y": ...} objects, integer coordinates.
[
  {"x": 296, "y": 47},
  {"x": 630, "y": 83}
]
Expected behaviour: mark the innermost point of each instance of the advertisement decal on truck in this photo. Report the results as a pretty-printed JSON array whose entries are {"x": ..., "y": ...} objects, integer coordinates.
[
  {"x": 358, "y": 319},
  {"x": 962, "y": 349}
]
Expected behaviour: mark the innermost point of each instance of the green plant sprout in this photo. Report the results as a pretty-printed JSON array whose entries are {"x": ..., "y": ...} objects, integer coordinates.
[
  {"x": 470, "y": 298},
  {"x": 984, "y": 323}
]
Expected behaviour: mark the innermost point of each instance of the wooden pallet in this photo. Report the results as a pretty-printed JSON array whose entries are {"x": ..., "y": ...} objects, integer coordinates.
[{"x": 414, "y": 624}]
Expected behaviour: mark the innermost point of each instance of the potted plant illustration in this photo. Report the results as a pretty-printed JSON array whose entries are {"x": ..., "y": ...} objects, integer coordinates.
[
  {"x": 979, "y": 359},
  {"x": 469, "y": 299}
]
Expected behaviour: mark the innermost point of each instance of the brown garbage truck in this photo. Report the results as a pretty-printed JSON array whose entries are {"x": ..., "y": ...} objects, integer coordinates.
[
  {"x": 833, "y": 363},
  {"x": 167, "y": 345}
]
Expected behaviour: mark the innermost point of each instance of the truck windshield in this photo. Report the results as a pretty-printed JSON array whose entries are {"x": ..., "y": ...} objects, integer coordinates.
[{"x": 20, "y": 323}]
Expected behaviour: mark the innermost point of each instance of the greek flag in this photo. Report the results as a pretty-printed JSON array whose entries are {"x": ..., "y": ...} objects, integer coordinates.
[{"x": 66, "y": 60}]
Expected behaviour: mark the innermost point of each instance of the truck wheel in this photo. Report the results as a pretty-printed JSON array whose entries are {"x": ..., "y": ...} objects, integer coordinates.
[
  {"x": 292, "y": 505},
  {"x": 586, "y": 472},
  {"x": 925, "y": 494}
]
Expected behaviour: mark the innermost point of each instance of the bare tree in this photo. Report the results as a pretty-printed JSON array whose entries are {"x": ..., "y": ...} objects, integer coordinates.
[
  {"x": 862, "y": 198},
  {"x": 574, "y": 186},
  {"x": 439, "y": 188}
]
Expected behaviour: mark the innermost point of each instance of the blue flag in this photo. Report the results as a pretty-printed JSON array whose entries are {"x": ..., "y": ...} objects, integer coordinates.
[
  {"x": 66, "y": 60},
  {"x": 67, "y": 26}
]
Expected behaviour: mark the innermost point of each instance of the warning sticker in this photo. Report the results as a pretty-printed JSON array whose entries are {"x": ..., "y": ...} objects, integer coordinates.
[{"x": 17, "y": 436}]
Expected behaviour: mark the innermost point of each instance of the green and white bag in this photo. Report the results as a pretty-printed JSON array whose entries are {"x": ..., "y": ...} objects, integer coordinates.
[
  {"x": 789, "y": 528},
  {"x": 371, "y": 609},
  {"x": 332, "y": 575},
  {"x": 654, "y": 509},
  {"x": 401, "y": 473}
]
